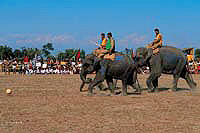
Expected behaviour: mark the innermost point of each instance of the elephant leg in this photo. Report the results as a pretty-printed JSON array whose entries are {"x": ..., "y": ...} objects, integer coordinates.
[
  {"x": 124, "y": 89},
  {"x": 98, "y": 79},
  {"x": 189, "y": 80},
  {"x": 155, "y": 84},
  {"x": 83, "y": 77},
  {"x": 175, "y": 81},
  {"x": 177, "y": 73},
  {"x": 137, "y": 88},
  {"x": 152, "y": 82},
  {"x": 149, "y": 83},
  {"x": 115, "y": 84},
  {"x": 100, "y": 86},
  {"x": 135, "y": 84},
  {"x": 93, "y": 84},
  {"x": 156, "y": 70},
  {"x": 110, "y": 84},
  {"x": 81, "y": 87}
]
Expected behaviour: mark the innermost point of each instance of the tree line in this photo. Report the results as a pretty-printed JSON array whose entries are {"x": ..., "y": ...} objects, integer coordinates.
[
  {"x": 197, "y": 53},
  {"x": 7, "y": 52}
]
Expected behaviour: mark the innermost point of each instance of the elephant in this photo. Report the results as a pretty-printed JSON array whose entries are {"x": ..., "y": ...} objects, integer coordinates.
[
  {"x": 121, "y": 68},
  {"x": 170, "y": 60}
]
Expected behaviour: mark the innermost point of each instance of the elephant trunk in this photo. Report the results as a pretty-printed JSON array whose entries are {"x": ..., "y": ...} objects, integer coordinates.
[{"x": 83, "y": 75}]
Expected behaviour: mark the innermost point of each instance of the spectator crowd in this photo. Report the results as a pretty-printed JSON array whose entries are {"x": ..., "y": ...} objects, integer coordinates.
[
  {"x": 194, "y": 67},
  {"x": 38, "y": 66}
]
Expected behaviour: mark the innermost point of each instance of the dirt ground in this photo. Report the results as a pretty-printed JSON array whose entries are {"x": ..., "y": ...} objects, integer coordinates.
[{"x": 53, "y": 103}]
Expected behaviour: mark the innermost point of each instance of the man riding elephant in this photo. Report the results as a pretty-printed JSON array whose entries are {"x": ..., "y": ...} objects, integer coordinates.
[
  {"x": 102, "y": 47},
  {"x": 110, "y": 46},
  {"x": 157, "y": 43}
]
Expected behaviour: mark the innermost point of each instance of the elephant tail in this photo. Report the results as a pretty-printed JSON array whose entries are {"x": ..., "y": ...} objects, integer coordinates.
[
  {"x": 187, "y": 69},
  {"x": 187, "y": 66}
]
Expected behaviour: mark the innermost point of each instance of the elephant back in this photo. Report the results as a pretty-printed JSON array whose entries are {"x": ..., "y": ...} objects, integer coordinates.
[
  {"x": 172, "y": 52},
  {"x": 116, "y": 56}
]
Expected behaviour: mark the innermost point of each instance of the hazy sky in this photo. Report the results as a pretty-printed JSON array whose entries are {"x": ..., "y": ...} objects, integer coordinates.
[{"x": 78, "y": 23}]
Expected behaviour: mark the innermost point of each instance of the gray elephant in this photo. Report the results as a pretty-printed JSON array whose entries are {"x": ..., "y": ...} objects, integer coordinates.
[
  {"x": 121, "y": 68},
  {"x": 170, "y": 60}
]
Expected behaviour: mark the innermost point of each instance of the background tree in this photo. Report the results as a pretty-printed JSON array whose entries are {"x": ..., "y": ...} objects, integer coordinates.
[
  {"x": 17, "y": 53},
  {"x": 69, "y": 53},
  {"x": 1, "y": 51},
  {"x": 61, "y": 56},
  {"x": 6, "y": 52},
  {"x": 31, "y": 53},
  {"x": 197, "y": 53},
  {"x": 46, "y": 49},
  {"x": 24, "y": 51},
  {"x": 82, "y": 54},
  {"x": 38, "y": 51}
]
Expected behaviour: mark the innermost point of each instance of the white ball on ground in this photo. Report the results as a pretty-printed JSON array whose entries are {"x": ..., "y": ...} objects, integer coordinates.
[{"x": 8, "y": 91}]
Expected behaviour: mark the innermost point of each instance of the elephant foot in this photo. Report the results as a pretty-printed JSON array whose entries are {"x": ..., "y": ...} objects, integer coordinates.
[
  {"x": 90, "y": 91},
  {"x": 124, "y": 94},
  {"x": 81, "y": 88},
  {"x": 101, "y": 87},
  {"x": 104, "y": 89},
  {"x": 193, "y": 86},
  {"x": 138, "y": 92},
  {"x": 90, "y": 94},
  {"x": 112, "y": 91},
  {"x": 113, "y": 94},
  {"x": 151, "y": 90},
  {"x": 172, "y": 90},
  {"x": 118, "y": 92},
  {"x": 156, "y": 90}
]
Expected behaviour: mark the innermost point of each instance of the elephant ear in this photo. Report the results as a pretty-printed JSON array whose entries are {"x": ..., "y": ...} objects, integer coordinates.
[
  {"x": 97, "y": 65},
  {"x": 86, "y": 65}
]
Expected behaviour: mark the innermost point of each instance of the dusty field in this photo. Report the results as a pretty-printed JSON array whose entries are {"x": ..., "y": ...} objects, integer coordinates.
[{"x": 53, "y": 103}]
